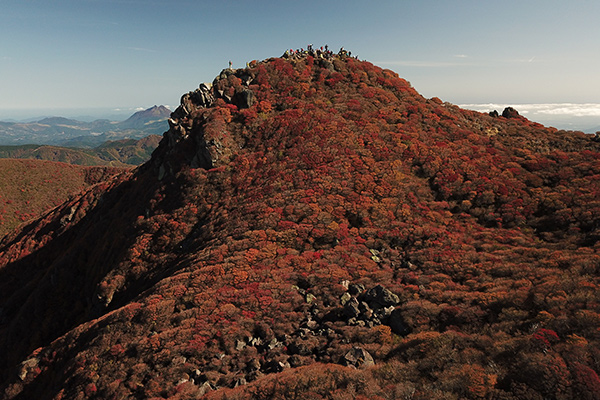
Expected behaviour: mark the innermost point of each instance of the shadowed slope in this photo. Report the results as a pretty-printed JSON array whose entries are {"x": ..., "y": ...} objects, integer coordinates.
[{"x": 29, "y": 188}]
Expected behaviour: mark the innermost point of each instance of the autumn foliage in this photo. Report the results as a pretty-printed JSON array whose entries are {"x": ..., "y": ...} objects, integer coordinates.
[
  {"x": 237, "y": 281},
  {"x": 29, "y": 188}
]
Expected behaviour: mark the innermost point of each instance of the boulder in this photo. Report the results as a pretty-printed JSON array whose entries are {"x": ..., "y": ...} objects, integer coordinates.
[
  {"x": 357, "y": 358},
  {"x": 345, "y": 298},
  {"x": 244, "y": 98},
  {"x": 379, "y": 297},
  {"x": 510, "y": 112},
  {"x": 351, "y": 308},
  {"x": 356, "y": 288}
]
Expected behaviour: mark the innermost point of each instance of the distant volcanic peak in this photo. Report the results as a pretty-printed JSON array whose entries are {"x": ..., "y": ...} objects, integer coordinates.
[
  {"x": 159, "y": 111},
  {"x": 141, "y": 118}
]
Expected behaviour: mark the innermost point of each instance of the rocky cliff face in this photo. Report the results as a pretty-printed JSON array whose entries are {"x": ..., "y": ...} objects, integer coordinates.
[
  {"x": 310, "y": 226},
  {"x": 187, "y": 123}
]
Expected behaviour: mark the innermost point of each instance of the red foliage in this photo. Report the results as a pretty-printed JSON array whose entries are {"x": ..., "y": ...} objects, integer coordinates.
[{"x": 336, "y": 179}]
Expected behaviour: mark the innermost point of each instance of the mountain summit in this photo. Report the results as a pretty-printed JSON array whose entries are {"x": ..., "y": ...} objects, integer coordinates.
[
  {"x": 312, "y": 227},
  {"x": 140, "y": 119}
]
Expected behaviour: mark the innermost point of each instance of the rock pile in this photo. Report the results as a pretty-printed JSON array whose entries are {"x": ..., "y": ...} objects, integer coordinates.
[
  {"x": 373, "y": 307},
  {"x": 317, "y": 334}
]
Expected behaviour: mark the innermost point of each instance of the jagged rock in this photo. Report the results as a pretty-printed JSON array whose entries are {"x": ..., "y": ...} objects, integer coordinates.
[
  {"x": 225, "y": 73},
  {"x": 328, "y": 65},
  {"x": 185, "y": 378},
  {"x": 244, "y": 99},
  {"x": 351, "y": 308},
  {"x": 345, "y": 298},
  {"x": 356, "y": 322},
  {"x": 379, "y": 297},
  {"x": 358, "y": 358},
  {"x": 203, "y": 157},
  {"x": 384, "y": 312},
  {"x": 198, "y": 377},
  {"x": 365, "y": 310},
  {"x": 295, "y": 361},
  {"x": 273, "y": 343},
  {"x": 494, "y": 114},
  {"x": 375, "y": 255},
  {"x": 239, "y": 345},
  {"x": 205, "y": 388},
  {"x": 356, "y": 289},
  {"x": 202, "y": 97},
  {"x": 328, "y": 332},
  {"x": 510, "y": 112},
  {"x": 246, "y": 79},
  {"x": 255, "y": 342},
  {"x": 28, "y": 366},
  {"x": 303, "y": 332},
  {"x": 310, "y": 298},
  {"x": 311, "y": 324}
]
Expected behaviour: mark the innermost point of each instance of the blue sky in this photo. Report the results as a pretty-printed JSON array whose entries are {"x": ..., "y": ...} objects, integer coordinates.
[{"x": 66, "y": 54}]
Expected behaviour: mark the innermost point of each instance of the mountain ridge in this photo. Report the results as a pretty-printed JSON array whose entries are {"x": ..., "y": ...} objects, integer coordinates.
[
  {"x": 73, "y": 133},
  {"x": 311, "y": 226}
]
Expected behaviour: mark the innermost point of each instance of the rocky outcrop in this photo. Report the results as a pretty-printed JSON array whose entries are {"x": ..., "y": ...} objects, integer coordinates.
[
  {"x": 323, "y": 328},
  {"x": 510, "y": 112},
  {"x": 372, "y": 307},
  {"x": 188, "y": 141}
]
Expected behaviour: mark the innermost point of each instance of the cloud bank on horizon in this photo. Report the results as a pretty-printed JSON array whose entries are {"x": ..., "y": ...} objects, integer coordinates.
[
  {"x": 567, "y": 109},
  {"x": 584, "y": 117}
]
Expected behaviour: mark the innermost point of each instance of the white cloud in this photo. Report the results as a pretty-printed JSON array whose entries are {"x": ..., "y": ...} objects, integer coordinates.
[
  {"x": 141, "y": 49},
  {"x": 555, "y": 109},
  {"x": 425, "y": 64},
  {"x": 584, "y": 117}
]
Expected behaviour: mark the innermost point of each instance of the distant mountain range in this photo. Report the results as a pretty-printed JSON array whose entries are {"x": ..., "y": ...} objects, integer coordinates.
[
  {"x": 59, "y": 131},
  {"x": 118, "y": 153}
]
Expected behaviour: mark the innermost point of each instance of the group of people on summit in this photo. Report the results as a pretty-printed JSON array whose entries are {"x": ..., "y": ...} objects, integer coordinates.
[{"x": 322, "y": 52}]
